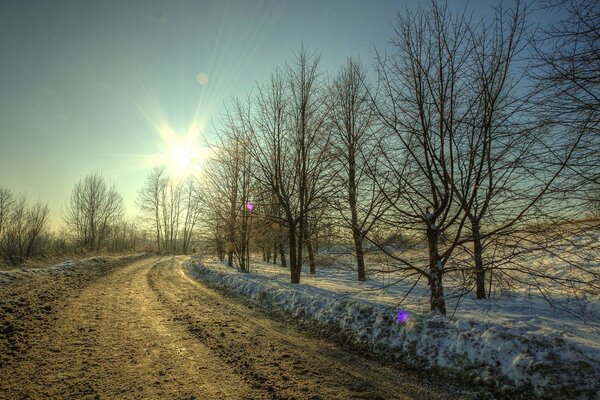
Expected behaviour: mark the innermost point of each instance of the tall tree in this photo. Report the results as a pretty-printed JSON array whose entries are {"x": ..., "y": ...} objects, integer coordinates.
[
  {"x": 290, "y": 148},
  {"x": 355, "y": 149},
  {"x": 424, "y": 107},
  {"x": 568, "y": 76}
]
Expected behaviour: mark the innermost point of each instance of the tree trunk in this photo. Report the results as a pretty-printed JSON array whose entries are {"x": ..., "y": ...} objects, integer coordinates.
[
  {"x": 242, "y": 257},
  {"x": 220, "y": 251},
  {"x": 282, "y": 255},
  {"x": 311, "y": 257},
  {"x": 360, "y": 255},
  {"x": 356, "y": 231},
  {"x": 294, "y": 261},
  {"x": 436, "y": 268},
  {"x": 275, "y": 253},
  {"x": 230, "y": 254},
  {"x": 299, "y": 248},
  {"x": 478, "y": 258}
]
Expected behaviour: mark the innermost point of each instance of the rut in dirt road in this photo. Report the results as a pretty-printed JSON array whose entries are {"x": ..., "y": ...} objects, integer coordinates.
[
  {"x": 148, "y": 331},
  {"x": 116, "y": 341}
]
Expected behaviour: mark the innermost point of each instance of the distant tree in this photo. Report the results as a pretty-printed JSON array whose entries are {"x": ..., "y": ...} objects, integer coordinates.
[
  {"x": 126, "y": 235},
  {"x": 149, "y": 201},
  {"x": 192, "y": 208},
  {"x": 93, "y": 208},
  {"x": 171, "y": 209},
  {"x": 24, "y": 227},
  {"x": 6, "y": 202},
  {"x": 171, "y": 212},
  {"x": 37, "y": 227}
]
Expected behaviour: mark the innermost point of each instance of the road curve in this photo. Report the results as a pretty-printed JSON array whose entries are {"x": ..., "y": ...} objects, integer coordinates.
[{"x": 148, "y": 331}]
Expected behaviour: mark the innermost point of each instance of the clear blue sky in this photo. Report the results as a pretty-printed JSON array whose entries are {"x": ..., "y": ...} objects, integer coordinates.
[{"x": 83, "y": 83}]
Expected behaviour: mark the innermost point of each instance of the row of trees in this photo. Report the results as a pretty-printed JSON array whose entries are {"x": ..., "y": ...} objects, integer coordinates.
[
  {"x": 171, "y": 210},
  {"x": 454, "y": 147},
  {"x": 94, "y": 217}
]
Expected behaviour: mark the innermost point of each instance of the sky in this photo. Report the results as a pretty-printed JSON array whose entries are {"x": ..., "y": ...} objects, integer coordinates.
[{"x": 102, "y": 85}]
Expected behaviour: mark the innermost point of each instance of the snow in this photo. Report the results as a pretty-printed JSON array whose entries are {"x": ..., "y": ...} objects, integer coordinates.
[
  {"x": 514, "y": 343},
  {"x": 68, "y": 267}
]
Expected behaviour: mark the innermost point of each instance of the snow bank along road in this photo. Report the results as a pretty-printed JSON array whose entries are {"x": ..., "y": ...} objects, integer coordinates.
[{"x": 131, "y": 328}]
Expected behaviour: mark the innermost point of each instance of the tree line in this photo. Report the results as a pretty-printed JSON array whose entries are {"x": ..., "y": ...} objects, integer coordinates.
[
  {"x": 475, "y": 142},
  {"x": 94, "y": 220}
]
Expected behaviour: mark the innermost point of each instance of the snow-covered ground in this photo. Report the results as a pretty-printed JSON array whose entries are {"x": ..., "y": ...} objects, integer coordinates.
[
  {"x": 65, "y": 268},
  {"x": 515, "y": 341},
  {"x": 529, "y": 312}
]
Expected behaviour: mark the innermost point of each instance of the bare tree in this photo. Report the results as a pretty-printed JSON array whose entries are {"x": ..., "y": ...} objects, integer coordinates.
[
  {"x": 568, "y": 77},
  {"x": 236, "y": 179},
  {"x": 6, "y": 202},
  {"x": 126, "y": 235},
  {"x": 213, "y": 219},
  {"x": 92, "y": 209},
  {"x": 289, "y": 148},
  {"x": 497, "y": 147},
  {"x": 354, "y": 145},
  {"x": 424, "y": 106},
  {"x": 465, "y": 149},
  {"x": 192, "y": 210},
  {"x": 223, "y": 184},
  {"x": 170, "y": 211},
  {"x": 24, "y": 227},
  {"x": 519, "y": 177},
  {"x": 149, "y": 201},
  {"x": 37, "y": 227}
]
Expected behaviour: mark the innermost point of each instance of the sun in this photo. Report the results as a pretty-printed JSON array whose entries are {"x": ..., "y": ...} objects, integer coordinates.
[
  {"x": 182, "y": 154},
  {"x": 183, "y": 158}
]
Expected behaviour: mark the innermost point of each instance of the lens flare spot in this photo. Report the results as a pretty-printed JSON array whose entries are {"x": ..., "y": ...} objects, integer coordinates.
[
  {"x": 402, "y": 317},
  {"x": 202, "y": 78},
  {"x": 249, "y": 206}
]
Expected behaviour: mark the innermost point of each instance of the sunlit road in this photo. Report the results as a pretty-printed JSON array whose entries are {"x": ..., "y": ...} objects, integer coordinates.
[{"x": 148, "y": 331}]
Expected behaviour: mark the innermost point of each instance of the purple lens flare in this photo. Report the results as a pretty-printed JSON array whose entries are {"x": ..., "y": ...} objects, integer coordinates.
[
  {"x": 402, "y": 317},
  {"x": 249, "y": 206}
]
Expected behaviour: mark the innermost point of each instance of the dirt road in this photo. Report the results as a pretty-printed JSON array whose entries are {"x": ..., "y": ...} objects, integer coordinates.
[{"x": 148, "y": 331}]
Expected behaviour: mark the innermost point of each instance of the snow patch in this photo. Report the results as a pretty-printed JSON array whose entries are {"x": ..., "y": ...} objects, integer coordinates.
[{"x": 489, "y": 352}]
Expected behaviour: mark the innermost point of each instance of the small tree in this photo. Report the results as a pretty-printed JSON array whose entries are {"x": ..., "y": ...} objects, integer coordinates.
[{"x": 93, "y": 208}]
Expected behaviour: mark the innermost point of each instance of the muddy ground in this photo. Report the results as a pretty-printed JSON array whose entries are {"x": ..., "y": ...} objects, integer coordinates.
[{"x": 143, "y": 329}]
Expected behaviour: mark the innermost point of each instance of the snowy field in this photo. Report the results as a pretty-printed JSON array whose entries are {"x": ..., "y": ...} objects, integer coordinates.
[{"x": 514, "y": 341}]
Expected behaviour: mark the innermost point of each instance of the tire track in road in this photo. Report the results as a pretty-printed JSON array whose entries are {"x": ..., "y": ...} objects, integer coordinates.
[
  {"x": 274, "y": 358},
  {"x": 117, "y": 341}
]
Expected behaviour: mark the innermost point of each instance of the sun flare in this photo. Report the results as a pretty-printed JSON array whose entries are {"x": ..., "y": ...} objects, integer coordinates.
[{"x": 182, "y": 154}]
